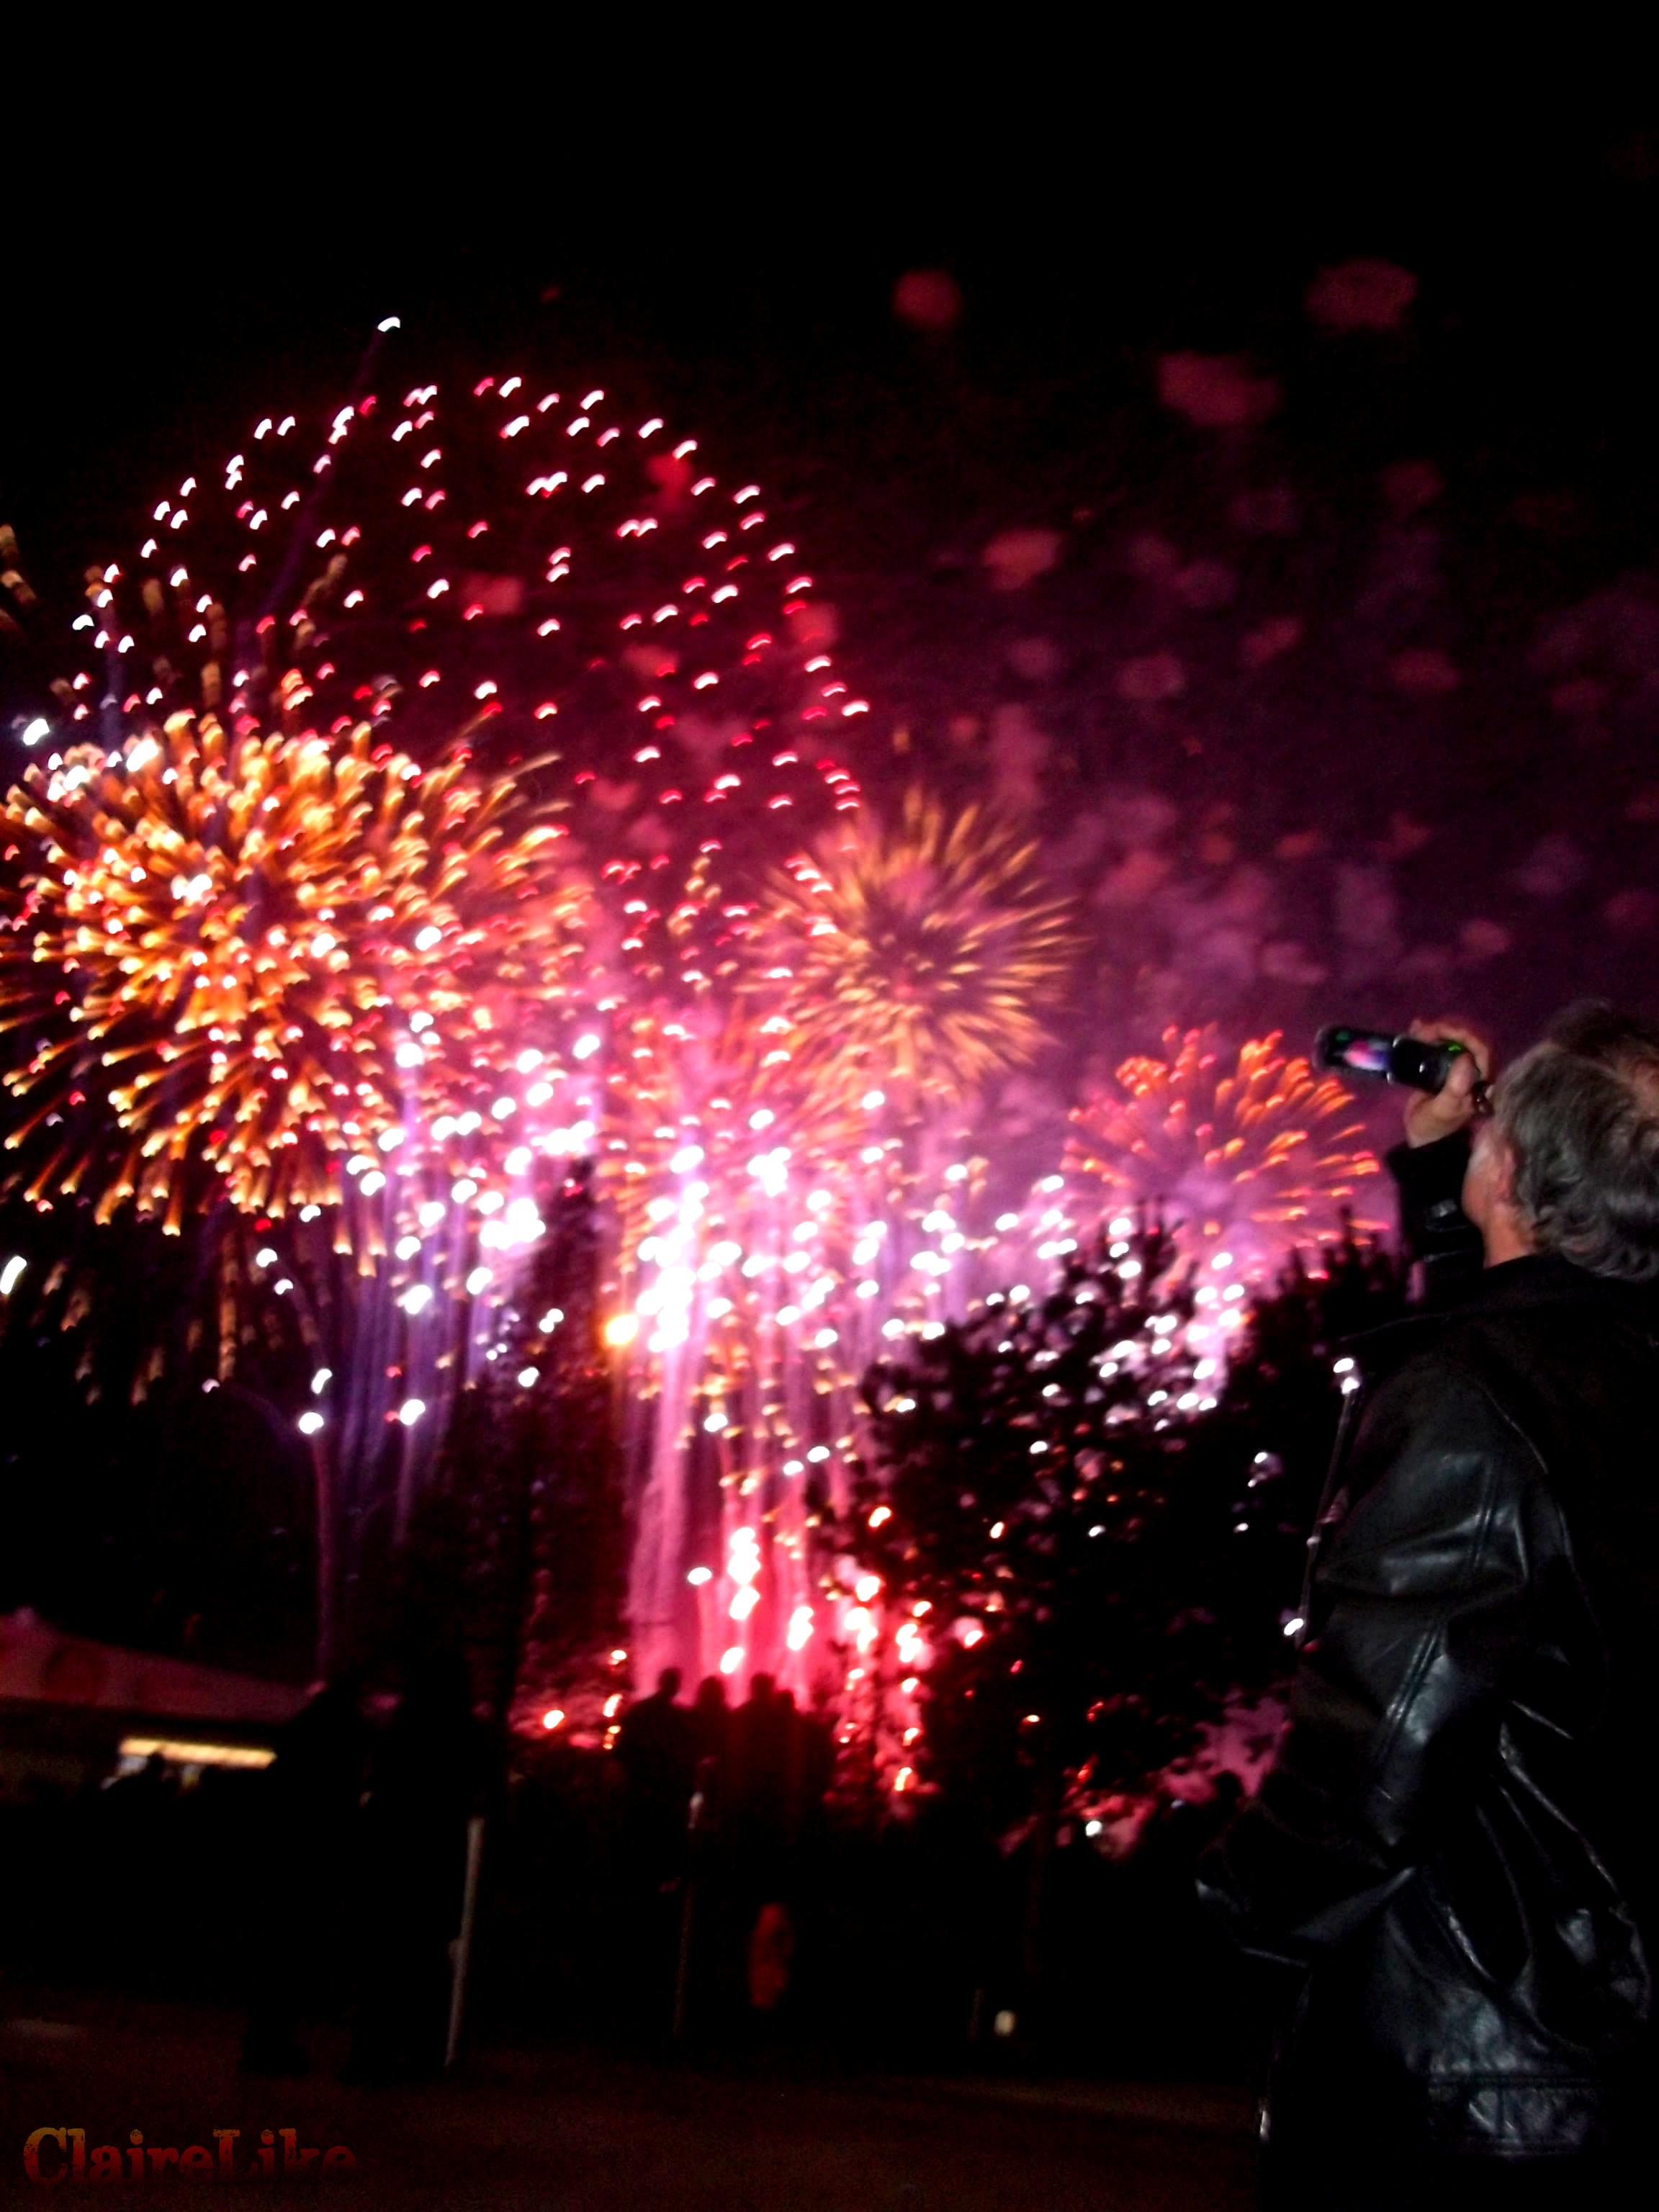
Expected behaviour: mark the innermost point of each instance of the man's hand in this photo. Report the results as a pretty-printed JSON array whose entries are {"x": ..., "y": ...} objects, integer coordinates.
[{"x": 1430, "y": 1117}]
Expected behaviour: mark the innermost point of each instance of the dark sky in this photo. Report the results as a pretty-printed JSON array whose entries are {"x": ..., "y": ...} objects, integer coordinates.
[
  {"x": 218, "y": 241},
  {"x": 186, "y": 245}
]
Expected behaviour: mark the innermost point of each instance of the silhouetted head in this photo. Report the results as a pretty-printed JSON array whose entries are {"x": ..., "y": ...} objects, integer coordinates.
[
  {"x": 762, "y": 1688},
  {"x": 711, "y": 1694},
  {"x": 668, "y": 1683}
]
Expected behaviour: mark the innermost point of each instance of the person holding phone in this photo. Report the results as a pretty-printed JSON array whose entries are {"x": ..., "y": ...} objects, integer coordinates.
[{"x": 1452, "y": 1856}]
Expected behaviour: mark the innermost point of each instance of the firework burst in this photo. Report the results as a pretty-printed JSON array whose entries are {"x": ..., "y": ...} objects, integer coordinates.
[
  {"x": 1253, "y": 1151},
  {"x": 247, "y": 962},
  {"x": 925, "y": 955}
]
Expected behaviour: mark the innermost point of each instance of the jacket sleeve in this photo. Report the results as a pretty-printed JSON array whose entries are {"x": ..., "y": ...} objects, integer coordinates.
[
  {"x": 1433, "y": 1226},
  {"x": 1417, "y": 1604}
]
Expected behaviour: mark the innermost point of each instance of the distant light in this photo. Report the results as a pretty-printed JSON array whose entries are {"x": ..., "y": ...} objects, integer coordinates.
[
  {"x": 873, "y": 1099},
  {"x": 426, "y": 938},
  {"x": 731, "y": 1659},
  {"x": 410, "y": 1411},
  {"x": 800, "y": 1630},
  {"x": 310, "y": 1423},
  {"x": 11, "y": 1273},
  {"x": 34, "y": 731},
  {"x": 882, "y": 1513},
  {"x": 553, "y": 1717},
  {"x": 320, "y": 1381},
  {"x": 584, "y": 1048},
  {"x": 698, "y": 1576},
  {"x": 621, "y": 1329},
  {"x": 416, "y": 1298},
  {"x": 528, "y": 1377},
  {"x": 550, "y": 1319},
  {"x": 478, "y": 1281},
  {"x": 391, "y": 322},
  {"x": 1295, "y": 1625}
]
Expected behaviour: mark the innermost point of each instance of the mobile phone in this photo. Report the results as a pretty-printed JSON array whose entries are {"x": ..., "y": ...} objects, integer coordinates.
[{"x": 1405, "y": 1060}]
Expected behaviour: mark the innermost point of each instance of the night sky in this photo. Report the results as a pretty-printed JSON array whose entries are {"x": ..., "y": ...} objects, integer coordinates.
[{"x": 1319, "y": 644}]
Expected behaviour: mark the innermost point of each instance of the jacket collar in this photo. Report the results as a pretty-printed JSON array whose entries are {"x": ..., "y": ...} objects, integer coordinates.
[{"x": 1538, "y": 1280}]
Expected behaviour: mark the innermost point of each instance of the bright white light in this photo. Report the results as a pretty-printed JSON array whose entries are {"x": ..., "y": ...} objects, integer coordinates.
[
  {"x": 584, "y": 1048},
  {"x": 518, "y": 1159},
  {"x": 1295, "y": 1625},
  {"x": 410, "y": 1411},
  {"x": 504, "y": 1106},
  {"x": 310, "y": 1423},
  {"x": 390, "y": 1139},
  {"x": 11, "y": 1274},
  {"x": 800, "y": 1630},
  {"x": 698, "y": 1576},
  {"x": 426, "y": 938},
  {"x": 687, "y": 1158},
  {"x": 321, "y": 1379},
  {"x": 528, "y": 1377},
  {"x": 371, "y": 1183},
  {"x": 743, "y": 1603},
  {"x": 731, "y": 1659},
  {"x": 478, "y": 1281},
  {"x": 550, "y": 1320},
  {"x": 872, "y": 1100},
  {"x": 431, "y": 1213},
  {"x": 416, "y": 1299},
  {"x": 34, "y": 731},
  {"x": 407, "y": 1247},
  {"x": 391, "y": 322}
]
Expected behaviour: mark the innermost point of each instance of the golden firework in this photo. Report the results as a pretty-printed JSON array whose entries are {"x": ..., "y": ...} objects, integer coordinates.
[
  {"x": 262, "y": 957},
  {"x": 923, "y": 955},
  {"x": 1255, "y": 1145}
]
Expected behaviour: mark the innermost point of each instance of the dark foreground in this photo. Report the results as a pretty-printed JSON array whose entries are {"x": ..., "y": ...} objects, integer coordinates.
[{"x": 594, "y": 2134}]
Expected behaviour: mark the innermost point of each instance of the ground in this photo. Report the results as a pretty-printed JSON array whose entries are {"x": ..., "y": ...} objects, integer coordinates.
[{"x": 564, "y": 2131}]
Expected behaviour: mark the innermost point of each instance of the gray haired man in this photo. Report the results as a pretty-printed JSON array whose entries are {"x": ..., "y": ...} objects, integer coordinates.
[{"x": 1453, "y": 1853}]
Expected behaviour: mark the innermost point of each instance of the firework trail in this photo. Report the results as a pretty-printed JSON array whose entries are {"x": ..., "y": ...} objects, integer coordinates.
[{"x": 1242, "y": 1154}]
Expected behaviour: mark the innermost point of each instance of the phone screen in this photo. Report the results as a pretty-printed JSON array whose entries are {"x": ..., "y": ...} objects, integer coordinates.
[{"x": 1363, "y": 1052}]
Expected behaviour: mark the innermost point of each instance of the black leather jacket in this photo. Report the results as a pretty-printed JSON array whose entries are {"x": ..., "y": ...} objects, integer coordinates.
[{"x": 1456, "y": 1845}]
